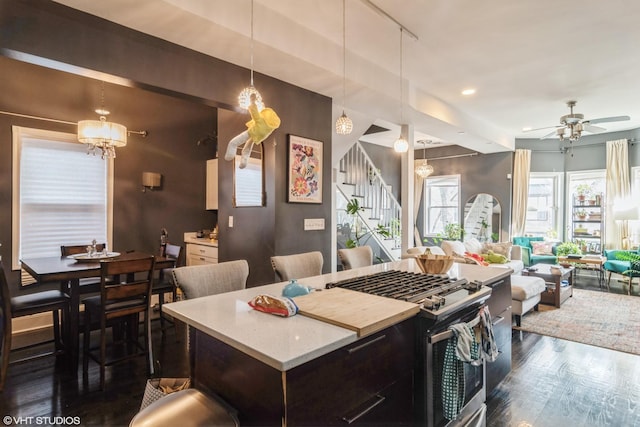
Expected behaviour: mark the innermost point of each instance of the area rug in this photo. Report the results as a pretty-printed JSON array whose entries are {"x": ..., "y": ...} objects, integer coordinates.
[{"x": 589, "y": 317}]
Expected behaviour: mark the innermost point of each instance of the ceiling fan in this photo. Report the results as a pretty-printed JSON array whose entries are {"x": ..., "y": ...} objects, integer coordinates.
[{"x": 574, "y": 123}]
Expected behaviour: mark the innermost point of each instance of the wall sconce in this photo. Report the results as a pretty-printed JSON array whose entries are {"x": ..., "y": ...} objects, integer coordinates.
[{"x": 150, "y": 180}]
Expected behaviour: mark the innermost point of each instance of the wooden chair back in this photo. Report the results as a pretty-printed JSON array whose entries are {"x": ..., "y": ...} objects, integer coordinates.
[
  {"x": 129, "y": 294},
  {"x": 67, "y": 250},
  {"x": 5, "y": 326}
]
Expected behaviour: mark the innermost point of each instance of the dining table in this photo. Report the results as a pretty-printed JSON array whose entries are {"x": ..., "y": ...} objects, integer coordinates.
[{"x": 67, "y": 271}]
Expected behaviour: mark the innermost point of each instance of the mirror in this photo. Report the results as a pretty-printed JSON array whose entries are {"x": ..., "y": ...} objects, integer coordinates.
[
  {"x": 248, "y": 182},
  {"x": 482, "y": 216}
]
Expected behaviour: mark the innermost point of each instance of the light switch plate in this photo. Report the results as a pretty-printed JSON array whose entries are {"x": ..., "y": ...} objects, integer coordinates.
[
  {"x": 230, "y": 222},
  {"x": 313, "y": 224}
]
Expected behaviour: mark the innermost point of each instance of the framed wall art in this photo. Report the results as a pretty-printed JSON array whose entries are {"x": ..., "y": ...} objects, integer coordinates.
[{"x": 304, "y": 176}]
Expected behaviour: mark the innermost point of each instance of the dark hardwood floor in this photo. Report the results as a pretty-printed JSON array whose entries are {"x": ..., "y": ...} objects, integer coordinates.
[{"x": 553, "y": 383}]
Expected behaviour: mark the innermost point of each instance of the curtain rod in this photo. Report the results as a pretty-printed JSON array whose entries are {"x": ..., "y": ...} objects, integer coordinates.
[
  {"x": 26, "y": 116},
  {"x": 142, "y": 133},
  {"x": 451, "y": 157},
  {"x": 563, "y": 150}
]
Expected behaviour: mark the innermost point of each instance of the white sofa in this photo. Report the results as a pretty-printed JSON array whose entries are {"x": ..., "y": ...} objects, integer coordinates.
[{"x": 525, "y": 290}]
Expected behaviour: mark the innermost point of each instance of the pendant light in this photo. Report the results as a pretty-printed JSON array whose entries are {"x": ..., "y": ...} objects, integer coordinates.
[
  {"x": 101, "y": 134},
  {"x": 244, "y": 99},
  {"x": 344, "y": 125},
  {"x": 401, "y": 145},
  {"x": 424, "y": 170}
]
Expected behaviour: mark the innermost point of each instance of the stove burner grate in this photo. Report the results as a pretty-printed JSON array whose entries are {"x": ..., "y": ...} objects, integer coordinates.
[{"x": 403, "y": 285}]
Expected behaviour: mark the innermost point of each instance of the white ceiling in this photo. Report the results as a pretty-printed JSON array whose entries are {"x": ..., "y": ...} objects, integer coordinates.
[{"x": 525, "y": 58}]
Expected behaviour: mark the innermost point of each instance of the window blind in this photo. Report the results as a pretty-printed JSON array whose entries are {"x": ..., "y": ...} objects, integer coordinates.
[{"x": 63, "y": 195}]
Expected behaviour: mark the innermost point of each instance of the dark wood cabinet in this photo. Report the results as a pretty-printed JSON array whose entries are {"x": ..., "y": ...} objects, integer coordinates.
[
  {"x": 369, "y": 381},
  {"x": 500, "y": 309}
]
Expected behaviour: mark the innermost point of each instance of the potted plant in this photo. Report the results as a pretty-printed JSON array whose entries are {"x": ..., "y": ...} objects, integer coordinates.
[
  {"x": 360, "y": 232},
  {"x": 583, "y": 191},
  {"x": 453, "y": 231},
  {"x": 581, "y": 214},
  {"x": 566, "y": 248}
]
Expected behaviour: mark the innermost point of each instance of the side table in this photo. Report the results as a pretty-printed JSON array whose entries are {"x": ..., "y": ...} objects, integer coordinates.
[
  {"x": 555, "y": 294},
  {"x": 590, "y": 261}
]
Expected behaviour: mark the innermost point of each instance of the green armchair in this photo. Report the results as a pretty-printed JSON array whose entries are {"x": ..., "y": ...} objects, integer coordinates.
[
  {"x": 528, "y": 257},
  {"x": 625, "y": 267}
]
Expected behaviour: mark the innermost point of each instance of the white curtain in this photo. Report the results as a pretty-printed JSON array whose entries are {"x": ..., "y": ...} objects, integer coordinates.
[
  {"x": 521, "y": 169},
  {"x": 618, "y": 190},
  {"x": 417, "y": 198}
]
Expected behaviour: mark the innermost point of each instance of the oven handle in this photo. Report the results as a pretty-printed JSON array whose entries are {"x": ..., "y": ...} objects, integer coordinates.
[
  {"x": 436, "y": 338},
  {"x": 365, "y": 411},
  {"x": 361, "y": 346}
]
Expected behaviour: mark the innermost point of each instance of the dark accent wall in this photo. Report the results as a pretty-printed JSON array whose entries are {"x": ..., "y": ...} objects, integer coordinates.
[
  {"x": 390, "y": 165},
  {"x": 84, "y": 44},
  {"x": 483, "y": 173}
]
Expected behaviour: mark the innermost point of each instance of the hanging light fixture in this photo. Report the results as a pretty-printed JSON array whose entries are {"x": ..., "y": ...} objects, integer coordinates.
[
  {"x": 344, "y": 125},
  {"x": 102, "y": 134},
  {"x": 244, "y": 99},
  {"x": 424, "y": 169},
  {"x": 401, "y": 145}
]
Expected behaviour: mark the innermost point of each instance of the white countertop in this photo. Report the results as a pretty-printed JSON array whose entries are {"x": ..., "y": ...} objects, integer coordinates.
[
  {"x": 284, "y": 343},
  {"x": 190, "y": 237}
]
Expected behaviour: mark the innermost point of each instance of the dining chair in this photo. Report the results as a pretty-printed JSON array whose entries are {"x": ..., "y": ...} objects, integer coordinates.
[
  {"x": 53, "y": 301},
  {"x": 297, "y": 266},
  {"x": 89, "y": 285},
  {"x": 361, "y": 256},
  {"x": 197, "y": 281},
  {"x": 165, "y": 283},
  {"x": 121, "y": 301}
]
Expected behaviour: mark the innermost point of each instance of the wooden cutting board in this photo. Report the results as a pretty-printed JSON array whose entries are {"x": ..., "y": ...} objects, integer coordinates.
[{"x": 354, "y": 310}]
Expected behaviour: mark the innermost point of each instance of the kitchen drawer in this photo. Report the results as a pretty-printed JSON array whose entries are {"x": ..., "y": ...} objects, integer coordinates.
[
  {"x": 202, "y": 251},
  {"x": 200, "y": 260},
  {"x": 347, "y": 381},
  {"x": 201, "y": 254}
]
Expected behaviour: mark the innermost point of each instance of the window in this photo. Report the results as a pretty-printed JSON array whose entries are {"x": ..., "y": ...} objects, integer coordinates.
[
  {"x": 60, "y": 194},
  {"x": 441, "y": 203},
  {"x": 545, "y": 192},
  {"x": 634, "y": 226}
]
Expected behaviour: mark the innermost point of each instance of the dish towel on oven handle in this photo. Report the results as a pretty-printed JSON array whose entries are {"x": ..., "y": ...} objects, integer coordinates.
[
  {"x": 490, "y": 350},
  {"x": 461, "y": 347}
]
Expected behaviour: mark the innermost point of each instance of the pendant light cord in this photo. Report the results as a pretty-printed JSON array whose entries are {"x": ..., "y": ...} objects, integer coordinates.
[
  {"x": 401, "y": 94},
  {"x": 251, "y": 43},
  {"x": 344, "y": 54}
]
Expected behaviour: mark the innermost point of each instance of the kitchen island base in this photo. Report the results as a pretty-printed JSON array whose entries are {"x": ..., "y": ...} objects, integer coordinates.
[{"x": 369, "y": 381}]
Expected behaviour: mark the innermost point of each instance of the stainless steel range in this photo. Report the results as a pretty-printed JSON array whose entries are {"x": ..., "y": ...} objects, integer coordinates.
[
  {"x": 445, "y": 301},
  {"x": 440, "y": 295}
]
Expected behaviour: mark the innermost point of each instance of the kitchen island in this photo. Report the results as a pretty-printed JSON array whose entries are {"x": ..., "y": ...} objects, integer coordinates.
[{"x": 302, "y": 371}]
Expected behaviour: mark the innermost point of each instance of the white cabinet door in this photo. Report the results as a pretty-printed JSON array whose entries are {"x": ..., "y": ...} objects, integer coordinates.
[{"x": 212, "y": 185}]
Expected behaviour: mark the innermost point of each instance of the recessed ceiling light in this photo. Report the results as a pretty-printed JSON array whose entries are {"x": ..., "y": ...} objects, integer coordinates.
[
  {"x": 526, "y": 129},
  {"x": 469, "y": 91}
]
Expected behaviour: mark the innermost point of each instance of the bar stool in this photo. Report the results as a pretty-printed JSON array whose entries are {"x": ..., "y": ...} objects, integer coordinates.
[
  {"x": 186, "y": 408},
  {"x": 53, "y": 301}
]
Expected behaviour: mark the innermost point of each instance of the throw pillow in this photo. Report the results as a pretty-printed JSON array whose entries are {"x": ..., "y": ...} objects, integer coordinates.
[
  {"x": 475, "y": 259},
  {"x": 542, "y": 248},
  {"x": 502, "y": 248},
  {"x": 494, "y": 258},
  {"x": 451, "y": 246},
  {"x": 473, "y": 246}
]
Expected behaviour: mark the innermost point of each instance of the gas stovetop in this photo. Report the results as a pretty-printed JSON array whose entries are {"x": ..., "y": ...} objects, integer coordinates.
[{"x": 438, "y": 294}]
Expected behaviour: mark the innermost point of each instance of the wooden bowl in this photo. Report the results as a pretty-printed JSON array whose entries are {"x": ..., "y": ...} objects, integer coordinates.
[{"x": 434, "y": 264}]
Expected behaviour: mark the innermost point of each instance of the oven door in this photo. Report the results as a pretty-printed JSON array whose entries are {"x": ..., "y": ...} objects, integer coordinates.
[{"x": 435, "y": 343}]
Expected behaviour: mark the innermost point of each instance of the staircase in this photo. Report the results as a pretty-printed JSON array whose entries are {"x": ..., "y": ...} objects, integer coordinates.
[{"x": 359, "y": 178}]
